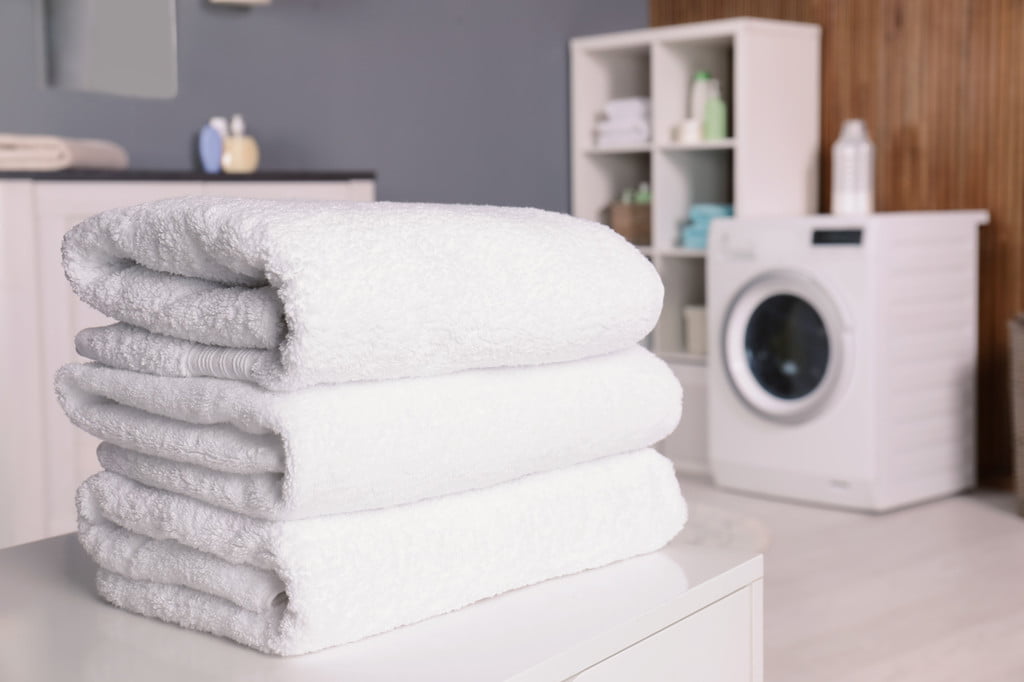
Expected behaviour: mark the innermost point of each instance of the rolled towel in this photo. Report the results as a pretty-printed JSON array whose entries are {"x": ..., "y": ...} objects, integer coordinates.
[
  {"x": 50, "y": 153},
  {"x": 363, "y": 445},
  {"x": 298, "y": 586},
  {"x": 342, "y": 291}
]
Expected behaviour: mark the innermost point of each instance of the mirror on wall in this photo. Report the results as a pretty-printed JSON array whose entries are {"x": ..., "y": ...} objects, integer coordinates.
[{"x": 117, "y": 47}]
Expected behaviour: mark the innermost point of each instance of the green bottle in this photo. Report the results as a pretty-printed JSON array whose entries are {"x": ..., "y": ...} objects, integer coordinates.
[{"x": 715, "y": 114}]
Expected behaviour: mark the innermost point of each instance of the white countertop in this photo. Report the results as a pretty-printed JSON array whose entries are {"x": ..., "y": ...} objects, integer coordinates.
[{"x": 53, "y": 626}]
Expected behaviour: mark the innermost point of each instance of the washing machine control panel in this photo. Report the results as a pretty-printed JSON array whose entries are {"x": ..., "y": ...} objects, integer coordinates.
[{"x": 842, "y": 236}]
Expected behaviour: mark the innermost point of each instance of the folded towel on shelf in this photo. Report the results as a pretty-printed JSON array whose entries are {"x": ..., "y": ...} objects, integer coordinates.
[
  {"x": 634, "y": 127},
  {"x": 363, "y": 445},
  {"x": 612, "y": 140},
  {"x": 50, "y": 153},
  {"x": 298, "y": 586},
  {"x": 627, "y": 107},
  {"x": 343, "y": 291}
]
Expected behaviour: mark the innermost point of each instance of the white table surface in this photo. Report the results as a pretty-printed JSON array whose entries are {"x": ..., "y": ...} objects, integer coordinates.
[{"x": 53, "y": 626}]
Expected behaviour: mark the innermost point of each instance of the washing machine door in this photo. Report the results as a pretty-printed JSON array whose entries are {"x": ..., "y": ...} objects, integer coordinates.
[{"x": 784, "y": 346}]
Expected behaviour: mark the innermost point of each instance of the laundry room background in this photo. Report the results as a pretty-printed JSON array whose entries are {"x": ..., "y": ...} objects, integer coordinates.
[{"x": 944, "y": 137}]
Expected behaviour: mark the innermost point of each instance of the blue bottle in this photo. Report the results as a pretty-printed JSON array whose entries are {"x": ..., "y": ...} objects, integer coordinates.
[{"x": 211, "y": 144}]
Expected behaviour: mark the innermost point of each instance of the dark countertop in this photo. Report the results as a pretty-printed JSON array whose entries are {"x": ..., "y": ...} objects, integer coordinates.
[{"x": 150, "y": 175}]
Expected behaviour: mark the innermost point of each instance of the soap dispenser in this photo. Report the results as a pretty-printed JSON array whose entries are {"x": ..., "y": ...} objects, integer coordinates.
[{"x": 241, "y": 153}]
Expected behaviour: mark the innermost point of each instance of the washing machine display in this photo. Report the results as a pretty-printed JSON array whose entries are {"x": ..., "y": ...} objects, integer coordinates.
[{"x": 783, "y": 346}]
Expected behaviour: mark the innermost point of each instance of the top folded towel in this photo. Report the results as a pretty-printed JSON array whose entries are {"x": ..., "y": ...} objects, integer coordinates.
[
  {"x": 337, "y": 291},
  {"x": 627, "y": 108},
  {"x": 49, "y": 153}
]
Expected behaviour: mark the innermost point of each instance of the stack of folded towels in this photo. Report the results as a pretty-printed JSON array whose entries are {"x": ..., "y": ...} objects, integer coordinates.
[
  {"x": 624, "y": 122},
  {"x": 322, "y": 420},
  {"x": 52, "y": 153}
]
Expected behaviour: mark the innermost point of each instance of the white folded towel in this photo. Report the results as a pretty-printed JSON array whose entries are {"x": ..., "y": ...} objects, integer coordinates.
[
  {"x": 50, "y": 153},
  {"x": 298, "y": 586},
  {"x": 615, "y": 140},
  {"x": 634, "y": 127},
  {"x": 345, "y": 291},
  {"x": 363, "y": 445},
  {"x": 627, "y": 107}
]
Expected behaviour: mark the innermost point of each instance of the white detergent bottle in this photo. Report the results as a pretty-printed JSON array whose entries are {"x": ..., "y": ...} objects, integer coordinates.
[
  {"x": 853, "y": 170},
  {"x": 691, "y": 130}
]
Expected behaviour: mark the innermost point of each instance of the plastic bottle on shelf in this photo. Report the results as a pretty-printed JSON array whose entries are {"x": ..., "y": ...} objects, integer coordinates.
[
  {"x": 853, "y": 170},
  {"x": 690, "y": 131},
  {"x": 211, "y": 143},
  {"x": 699, "y": 95},
  {"x": 241, "y": 154},
  {"x": 715, "y": 114},
  {"x": 642, "y": 195}
]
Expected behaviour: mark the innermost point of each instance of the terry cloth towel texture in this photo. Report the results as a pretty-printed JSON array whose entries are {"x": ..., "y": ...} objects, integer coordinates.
[
  {"x": 291, "y": 587},
  {"x": 49, "y": 153},
  {"x": 290, "y": 294},
  {"x": 363, "y": 445}
]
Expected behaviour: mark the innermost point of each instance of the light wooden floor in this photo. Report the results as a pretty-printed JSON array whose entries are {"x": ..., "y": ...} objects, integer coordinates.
[{"x": 934, "y": 592}]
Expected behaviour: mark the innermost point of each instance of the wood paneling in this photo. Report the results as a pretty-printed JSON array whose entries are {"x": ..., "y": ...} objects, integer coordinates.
[{"x": 941, "y": 86}]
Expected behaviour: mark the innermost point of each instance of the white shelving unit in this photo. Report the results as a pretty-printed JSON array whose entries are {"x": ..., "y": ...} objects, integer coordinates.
[{"x": 770, "y": 72}]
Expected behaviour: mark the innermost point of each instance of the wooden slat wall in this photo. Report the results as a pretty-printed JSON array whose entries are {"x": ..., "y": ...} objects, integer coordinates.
[{"x": 941, "y": 85}]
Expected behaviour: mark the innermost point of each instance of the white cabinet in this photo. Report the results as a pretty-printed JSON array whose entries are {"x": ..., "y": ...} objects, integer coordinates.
[
  {"x": 22, "y": 392},
  {"x": 720, "y": 642},
  {"x": 69, "y": 454},
  {"x": 770, "y": 74},
  {"x": 42, "y": 457},
  {"x": 691, "y": 612}
]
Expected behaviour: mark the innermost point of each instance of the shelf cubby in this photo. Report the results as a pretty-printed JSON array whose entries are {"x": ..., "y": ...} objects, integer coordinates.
[
  {"x": 770, "y": 74},
  {"x": 684, "y": 285},
  {"x": 607, "y": 175},
  {"x": 677, "y": 61},
  {"x": 681, "y": 179}
]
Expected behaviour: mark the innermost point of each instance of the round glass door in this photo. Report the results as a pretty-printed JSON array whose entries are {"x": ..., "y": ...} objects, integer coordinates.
[
  {"x": 783, "y": 346},
  {"x": 787, "y": 346}
]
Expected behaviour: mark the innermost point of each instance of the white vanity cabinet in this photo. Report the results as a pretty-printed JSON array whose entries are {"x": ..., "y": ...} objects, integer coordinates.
[{"x": 43, "y": 457}]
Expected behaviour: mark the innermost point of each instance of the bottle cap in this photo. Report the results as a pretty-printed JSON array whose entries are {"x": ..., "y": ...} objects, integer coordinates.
[
  {"x": 702, "y": 75},
  {"x": 854, "y": 127},
  {"x": 220, "y": 124},
  {"x": 237, "y": 125}
]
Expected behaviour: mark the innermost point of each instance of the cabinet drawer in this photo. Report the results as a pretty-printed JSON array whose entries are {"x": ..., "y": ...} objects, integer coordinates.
[{"x": 716, "y": 643}]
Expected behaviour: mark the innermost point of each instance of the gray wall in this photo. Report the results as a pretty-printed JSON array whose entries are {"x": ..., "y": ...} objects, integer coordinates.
[{"x": 448, "y": 100}]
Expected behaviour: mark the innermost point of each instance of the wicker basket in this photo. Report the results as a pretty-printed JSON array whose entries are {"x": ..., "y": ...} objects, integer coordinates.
[
  {"x": 1017, "y": 401},
  {"x": 632, "y": 221}
]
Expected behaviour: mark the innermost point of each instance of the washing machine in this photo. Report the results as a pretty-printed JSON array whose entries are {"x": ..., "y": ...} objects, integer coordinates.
[{"x": 842, "y": 356}]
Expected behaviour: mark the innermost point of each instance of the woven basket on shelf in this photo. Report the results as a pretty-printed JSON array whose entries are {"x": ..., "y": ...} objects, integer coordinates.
[
  {"x": 632, "y": 221},
  {"x": 1017, "y": 401}
]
